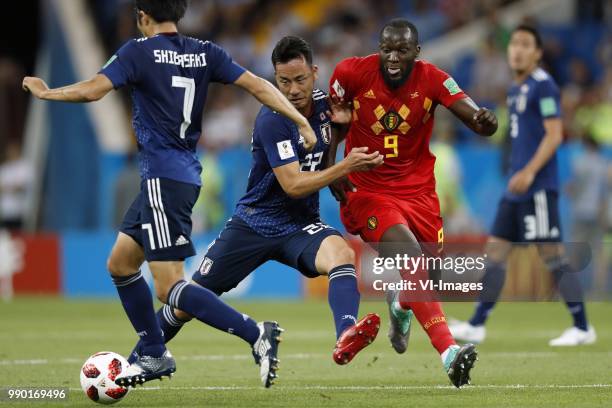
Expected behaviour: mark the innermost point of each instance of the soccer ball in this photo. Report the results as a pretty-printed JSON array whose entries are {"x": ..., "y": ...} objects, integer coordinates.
[{"x": 98, "y": 376}]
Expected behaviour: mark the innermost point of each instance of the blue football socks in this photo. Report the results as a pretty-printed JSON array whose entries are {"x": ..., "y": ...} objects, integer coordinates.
[
  {"x": 208, "y": 308},
  {"x": 137, "y": 302},
  {"x": 343, "y": 296}
]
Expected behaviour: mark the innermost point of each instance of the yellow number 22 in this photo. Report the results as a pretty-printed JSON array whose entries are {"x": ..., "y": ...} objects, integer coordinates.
[{"x": 391, "y": 143}]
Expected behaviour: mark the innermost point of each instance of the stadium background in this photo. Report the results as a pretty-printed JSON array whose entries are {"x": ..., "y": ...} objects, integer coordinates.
[{"x": 67, "y": 172}]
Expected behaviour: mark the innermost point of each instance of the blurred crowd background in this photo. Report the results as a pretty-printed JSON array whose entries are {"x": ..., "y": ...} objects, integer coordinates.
[{"x": 578, "y": 54}]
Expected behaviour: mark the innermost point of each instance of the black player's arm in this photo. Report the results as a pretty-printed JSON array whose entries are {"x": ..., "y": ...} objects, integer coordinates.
[
  {"x": 85, "y": 91},
  {"x": 553, "y": 137},
  {"x": 480, "y": 120},
  {"x": 298, "y": 184},
  {"x": 340, "y": 113},
  {"x": 267, "y": 94},
  {"x": 339, "y": 187},
  {"x": 338, "y": 134}
]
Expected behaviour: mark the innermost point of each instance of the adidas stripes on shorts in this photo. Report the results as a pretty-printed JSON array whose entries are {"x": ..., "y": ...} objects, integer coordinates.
[{"x": 159, "y": 219}]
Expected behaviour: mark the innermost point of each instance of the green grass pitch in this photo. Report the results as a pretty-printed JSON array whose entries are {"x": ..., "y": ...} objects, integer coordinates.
[{"x": 44, "y": 341}]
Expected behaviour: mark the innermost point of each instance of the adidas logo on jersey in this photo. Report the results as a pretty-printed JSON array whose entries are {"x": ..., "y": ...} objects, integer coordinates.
[
  {"x": 181, "y": 241},
  {"x": 370, "y": 94}
]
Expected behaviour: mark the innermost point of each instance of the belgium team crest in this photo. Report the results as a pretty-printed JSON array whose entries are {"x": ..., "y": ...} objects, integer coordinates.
[
  {"x": 372, "y": 222},
  {"x": 390, "y": 121}
]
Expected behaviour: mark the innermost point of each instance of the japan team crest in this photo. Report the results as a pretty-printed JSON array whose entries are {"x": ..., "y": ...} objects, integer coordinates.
[{"x": 205, "y": 266}]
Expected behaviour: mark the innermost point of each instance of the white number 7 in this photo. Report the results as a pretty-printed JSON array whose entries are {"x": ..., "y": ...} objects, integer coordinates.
[
  {"x": 149, "y": 229},
  {"x": 189, "y": 85}
]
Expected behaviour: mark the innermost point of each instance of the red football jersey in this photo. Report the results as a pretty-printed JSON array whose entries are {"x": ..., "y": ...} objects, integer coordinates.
[{"x": 396, "y": 122}]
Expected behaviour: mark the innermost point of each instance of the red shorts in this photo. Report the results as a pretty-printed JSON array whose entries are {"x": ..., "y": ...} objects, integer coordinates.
[{"x": 371, "y": 214}]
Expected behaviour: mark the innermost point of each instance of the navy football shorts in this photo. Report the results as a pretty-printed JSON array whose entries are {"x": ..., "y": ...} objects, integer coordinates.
[
  {"x": 239, "y": 250},
  {"x": 533, "y": 220},
  {"x": 159, "y": 219}
]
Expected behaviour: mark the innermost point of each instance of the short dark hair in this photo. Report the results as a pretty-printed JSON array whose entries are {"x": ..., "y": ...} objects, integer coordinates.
[
  {"x": 163, "y": 10},
  {"x": 289, "y": 48},
  {"x": 401, "y": 23},
  {"x": 531, "y": 30}
]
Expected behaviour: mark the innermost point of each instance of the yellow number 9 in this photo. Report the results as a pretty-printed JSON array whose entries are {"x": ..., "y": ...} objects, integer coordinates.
[{"x": 391, "y": 143}]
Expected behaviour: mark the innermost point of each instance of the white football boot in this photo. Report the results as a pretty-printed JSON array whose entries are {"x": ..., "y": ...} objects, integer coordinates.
[
  {"x": 574, "y": 337},
  {"x": 466, "y": 333}
]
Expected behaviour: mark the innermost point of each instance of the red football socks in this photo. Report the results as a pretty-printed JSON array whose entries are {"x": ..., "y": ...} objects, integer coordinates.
[{"x": 429, "y": 314}]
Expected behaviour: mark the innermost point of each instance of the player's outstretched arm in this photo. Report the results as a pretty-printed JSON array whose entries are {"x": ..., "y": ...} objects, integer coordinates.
[
  {"x": 480, "y": 120},
  {"x": 522, "y": 179},
  {"x": 85, "y": 91},
  {"x": 298, "y": 184},
  {"x": 267, "y": 94}
]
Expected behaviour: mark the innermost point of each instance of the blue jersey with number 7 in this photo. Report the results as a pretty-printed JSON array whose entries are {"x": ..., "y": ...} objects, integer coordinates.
[{"x": 169, "y": 75}]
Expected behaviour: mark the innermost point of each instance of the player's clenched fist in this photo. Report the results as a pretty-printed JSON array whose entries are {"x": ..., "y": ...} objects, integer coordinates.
[
  {"x": 487, "y": 120},
  {"x": 310, "y": 139},
  {"x": 34, "y": 85},
  {"x": 359, "y": 160}
]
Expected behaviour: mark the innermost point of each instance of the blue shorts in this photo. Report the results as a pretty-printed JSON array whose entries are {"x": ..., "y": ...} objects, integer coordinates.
[
  {"x": 159, "y": 219},
  {"x": 239, "y": 250},
  {"x": 532, "y": 220}
]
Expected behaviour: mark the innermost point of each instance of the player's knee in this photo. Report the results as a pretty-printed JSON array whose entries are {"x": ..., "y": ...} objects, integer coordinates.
[
  {"x": 498, "y": 249},
  {"x": 552, "y": 252},
  {"x": 554, "y": 263},
  {"x": 162, "y": 292},
  {"x": 110, "y": 266},
  {"x": 118, "y": 268},
  {"x": 346, "y": 255},
  {"x": 217, "y": 290},
  {"x": 182, "y": 316},
  {"x": 164, "y": 286}
]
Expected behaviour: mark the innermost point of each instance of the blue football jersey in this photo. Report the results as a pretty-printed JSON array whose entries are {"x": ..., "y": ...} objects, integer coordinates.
[
  {"x": 529, "y": 104},
  {"x": 169, "y": 76},
  {"x": 276, "y": 142}
]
